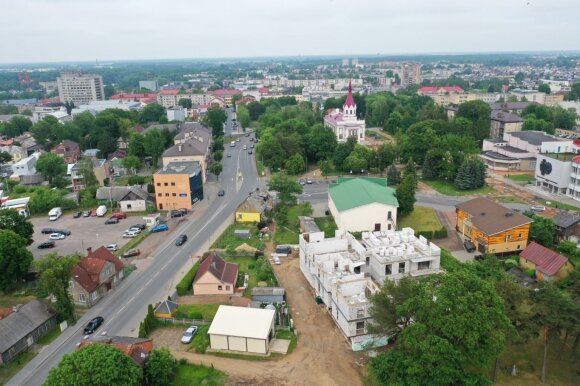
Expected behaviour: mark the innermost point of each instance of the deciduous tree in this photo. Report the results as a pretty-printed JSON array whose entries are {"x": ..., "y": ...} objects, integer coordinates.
[
  {"x": 160, "y": 367},
  {"x": 132, "y": 163},
  {"x": 154, "y": 144},
  {"x": 10, "y": 219},
  {"x": 15, "y": 259},
  {"x": 153, "y": 112},
  {"x": 51, "y": 166},
  {"x": 295, "y": 164},
  {"x": 393, "y": 175},
  {"x": 286, "y": 187},
  {"x": 185, "y": 102},
  {"x": 543, "y": 230}
]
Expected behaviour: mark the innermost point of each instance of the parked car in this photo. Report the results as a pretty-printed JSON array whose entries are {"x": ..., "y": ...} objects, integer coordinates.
[
  {"x": 56, "y": 236},
  {"x": 538, "y": 208},
  {"x": 93, "y": 325},
  {"x": 244, "y": 147},
  {"x": 77, "y": 214},
  {"x": 86, "y": 213},
  {"x": 469, "y": 246},
  {"x": 131, "y": 253},
  {"x": 478, "y": 257},
  {"x": 47, "y": 231},
  {"x": 229, "y": 155},
  {"x": 119, "y": 215},
  {"x": 181, "y": 239},
  {"x": 139, "y": 226},
  {"x": 46, "y": 244},
  {"x": 176, "y": 213},
  {"x": 237, "y": 140},
  {"x": 112, "y": 247},
  {"x": 134, "y": 229},
  {"x": 252, "y": 146},
  {"x": 159, "y": 228},
  {"x": 63, "y": 231},
  {"x": 309, "y": 181},
  {"x": 221, "y": 193},
  {"x": 302, "y": 182},
  {"x": 130, "y": 234},
  {"x": 189, "y": 334},
  {"x": 112, "y": 220}
]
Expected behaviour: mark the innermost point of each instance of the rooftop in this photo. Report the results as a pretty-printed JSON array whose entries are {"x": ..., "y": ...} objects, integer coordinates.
[
  {"x": 561, "y": 156},
  {"x": 502, "y": 116},
  {"x": 491, "y": 217},
  {"x": 546, "y": 260},
  {"x": 352, "y": 192},
  {"x": 242, "y": 322},
  {"x": 535, "y": 137},
  {"x": 17, "y": 325},
  {"x": 190, "y": 168}
]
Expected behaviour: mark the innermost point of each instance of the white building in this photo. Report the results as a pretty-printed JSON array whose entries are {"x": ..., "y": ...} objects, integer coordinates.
[
  {"x": 362, "y": 203},
  {"x": 152, "y": 85},
  {"x": 176, "y": 113},
  {"x": 553, "y": 172},
  {"x": 242, "y": 329},
  {"x": 80, "y": 88},
  {"x": 26, "y": 166},
  {"x": 344, "y": 123},
  {"x": 345, "y": 272},
  {"x": 96, "y": 107}
]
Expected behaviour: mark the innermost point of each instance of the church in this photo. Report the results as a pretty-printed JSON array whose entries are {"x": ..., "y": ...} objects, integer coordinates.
[{"x": 344, "y": 123}]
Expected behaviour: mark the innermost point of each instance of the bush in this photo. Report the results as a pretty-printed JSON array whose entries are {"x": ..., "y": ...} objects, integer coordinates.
[
  {"x": 184, "y": 287},
  {"x": 136, "y": 180},
  {"x": 449, "y": 262},
  {"x": 530, "y": 272}
]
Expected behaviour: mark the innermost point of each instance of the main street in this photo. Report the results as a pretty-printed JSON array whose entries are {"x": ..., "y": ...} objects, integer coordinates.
[{"x": 125, "y": 306}]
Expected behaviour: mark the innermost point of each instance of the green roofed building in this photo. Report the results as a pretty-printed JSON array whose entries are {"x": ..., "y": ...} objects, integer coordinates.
[{"x": 363, "y": 204}]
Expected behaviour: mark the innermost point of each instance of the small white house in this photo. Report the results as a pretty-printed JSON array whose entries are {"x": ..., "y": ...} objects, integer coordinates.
[
  {"x": 363, "y": 203},
  {"x": 242, "y": 329},
  {"x": 176, "y": 113}
]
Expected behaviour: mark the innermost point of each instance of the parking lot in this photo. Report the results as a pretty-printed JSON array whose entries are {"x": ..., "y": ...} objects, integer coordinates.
[{"x": 85, "y": 232}]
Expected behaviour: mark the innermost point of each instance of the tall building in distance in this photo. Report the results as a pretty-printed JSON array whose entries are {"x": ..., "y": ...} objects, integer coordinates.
[
  {"x": 354, "y": 62},
  {"x": 410, "y": 74},
  {"x": 80, "y": 88},
  {"x": 345, "y": 62},
  {"x": 152, "y": 85}
]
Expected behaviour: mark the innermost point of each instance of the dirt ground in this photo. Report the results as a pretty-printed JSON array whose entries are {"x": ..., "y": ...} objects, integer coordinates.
[
  {"x": 321, "y": 357},
  {"x": 239, "y": 301}
]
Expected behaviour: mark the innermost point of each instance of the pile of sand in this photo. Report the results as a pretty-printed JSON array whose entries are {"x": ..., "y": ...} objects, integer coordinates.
[{"x": 246, "y": 247}]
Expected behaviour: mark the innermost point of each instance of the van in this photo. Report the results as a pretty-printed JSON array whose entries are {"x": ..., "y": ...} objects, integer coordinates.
[
  {"x": 233, "y": 144},
  {"x": 54, "y": 214},
  {"x": 101, "y": 211}
]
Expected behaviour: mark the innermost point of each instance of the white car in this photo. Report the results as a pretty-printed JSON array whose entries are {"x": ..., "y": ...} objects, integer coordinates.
[
  {"x": 56, "y": 236},
  {"x": 136, "y": 230},
  {"x": 130, "y": 234},
  {"x": 245, "y": 147},
  {"x": 189, "y": 334},
  {"x": 538, "y": 208},
  {"x": 112, "y": 247}
]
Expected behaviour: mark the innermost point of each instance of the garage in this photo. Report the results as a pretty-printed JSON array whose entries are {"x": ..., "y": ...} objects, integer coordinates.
[{"x": 242, "y": 329}]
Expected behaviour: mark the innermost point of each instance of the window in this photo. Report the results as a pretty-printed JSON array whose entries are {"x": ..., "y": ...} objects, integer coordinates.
[
  {"x": 166, "y": 194},
  {"x": 174, "y": 194},
  {"x": 388, "y": 269},
  {"x": 520, "y": 236},
  {"x": 159, "y": 195},
  {"x": 173, "y": 184},
  {"x": 518, "y": 247},
  {"x": 128, "y": 206},
  {"x": 401, "y": 267},
  {"x": 423, "y": 265},
  {"x": 165, "y": 184},
  {"x": 389, "y": 215},
  {"x": 227, "y": 288},
  {"x": 82, "y": 298},
  {"x": 160, "y": 205},
  {"x": 159, "y": 184},
  {"x": 360, "y": 327},
  {"x": 389, "y": 227},
  {"x": 219, "y": 287}
]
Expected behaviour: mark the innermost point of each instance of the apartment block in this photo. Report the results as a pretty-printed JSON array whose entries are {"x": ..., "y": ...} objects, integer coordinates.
[
  {"x": 178, "y": 185},
  {"x": 80, "y": 88}
]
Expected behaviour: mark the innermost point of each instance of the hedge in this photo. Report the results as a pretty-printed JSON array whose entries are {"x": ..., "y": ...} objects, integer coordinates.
[
  {"x": 184, "y": 287},
  {"x": 436, "y": 234}
]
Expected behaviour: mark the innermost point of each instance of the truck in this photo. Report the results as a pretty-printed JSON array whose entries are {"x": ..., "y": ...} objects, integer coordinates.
[
  {"x": 101, "y": 211},
  {"x": 54, "y": 214}
]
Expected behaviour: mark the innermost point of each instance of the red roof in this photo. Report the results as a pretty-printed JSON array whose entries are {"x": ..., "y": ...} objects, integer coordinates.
[
  {"x": 225, "y": 91},
  {"x": 439, "y": 89},
  {"x": 169, "y": 92},
  {"x": 349, "y": 99},
  {"x": 88, "y": 270},
  {"x": 546, "y": 260},
  {"x": 47, "y": 101},
  {"x": 6, "y": 142},
  {"x": 134, "y": 96},
  {"x": 577, "y": 142},
  {"x": 576, "y": 159},
  {"x": 263, "y": 90},
  {"x": 225, "y": 272}
]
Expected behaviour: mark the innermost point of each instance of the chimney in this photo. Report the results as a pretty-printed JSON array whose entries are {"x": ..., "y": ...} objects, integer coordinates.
[
  {"x": 89, "y": 250},
  {"x": 179, "y": 147}
]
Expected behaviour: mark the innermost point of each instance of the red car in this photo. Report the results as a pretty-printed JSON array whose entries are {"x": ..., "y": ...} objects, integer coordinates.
[
  {"x": 119, "y": 215},
  {"x": 94, "y": 213}
]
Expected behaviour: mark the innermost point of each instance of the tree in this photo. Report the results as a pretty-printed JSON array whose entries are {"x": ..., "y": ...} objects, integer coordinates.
[
  {"x": 574, "y": 93},
  {"x": 519, "y": 78},
  {"x": 15, "y": 259},
  {"x": 325, "y": 167},
  {"x": 16, "y": 126},
  {"x": 342, "y": 151},
  {"x": 153, "y": 112},
  {"x": 95, "y": 364},
  {"x": 243, "y": 117},
  {"x": 216, "y": 168},
  {"x": 354, "y": 163},
  {"x": 543, "y": 230},
  {"x": 215, "y": 118},
  {"x": 86, "y": 170},
  {"x": 457, "y": 332},
  {"x": 295, "y": 164},
  {"x": 54, "y": 276},
  {"x": 109, "y": 91},
  {"x": 69, "y": 105},
  {"x": 136, "y": 146},
  {"x": 320, "y": 143},
  {"x": 531, "y": 123},
  {"x": 185, "y": 103},
  {"x": 430, "y": 170},
  {"x": 132, "y": 163},
  {"x": 410, "y": 171},
  {"x": 545, "y": 88},
  {"x": 51, "y": 166},
  {"x": 471, "y": 174},
  {"x": 160, "y": 367},
  {"x": 393, "y": 175},
  {"x": 10, "y": 219},
  {"x": 153, "y": 145},
  {"x": 43, "y": 130},
  {"x": 286, "y": 186},
  {"x": 479, "y": 113},
  {"x": 406, "y": 195},
  {"x": 5, "y": 157}
]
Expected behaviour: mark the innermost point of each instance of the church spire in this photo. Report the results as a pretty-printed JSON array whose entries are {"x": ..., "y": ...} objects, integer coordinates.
[{"x": 349, "y": 103}]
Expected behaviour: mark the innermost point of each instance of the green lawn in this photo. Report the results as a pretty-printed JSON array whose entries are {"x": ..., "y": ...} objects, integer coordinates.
[
  {"x": 201, "y": 341},
  {"x": 10, "y": 370},
  {"x": 189, "y": 311},
  {"x": 9, "y": 300},
  {"x": 561, "y": 205},
  {"x": 510, "y": 200},
  {"x": 227, "y": 240},
  {"x": 327, "y": 225},
  {"x": 193, "y": 375},
  {"x": 288, "y": 335},
  {"x": 50, "y": 337},
  {"x": 288, "y": 234},
  {"x": 421, "y": 219},
  {"x": 521, "y": 177},
  {"x": 254, "y": 267},
  {"x": 448, "y": 189}
]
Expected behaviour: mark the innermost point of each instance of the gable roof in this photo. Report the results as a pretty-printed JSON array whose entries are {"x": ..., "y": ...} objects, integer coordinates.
[
  {"x": 219, "y": 268},
  {"x": 118, "y": 193},
  {"x": 137, "y": 348},
  {"x": 17, "y": 325},
  {"x": 352, "y": 192},
  {"x": 242, "y": 321},
  {"x": 546, "y": 260},
  {"x": 491, "y": 217},
  {"x": 87, "y": 271},
  {"x": 251, "y": 205},
  {"x": 566, "y": 219},
  {"x": 502, "y": 116},
  {"x": 190, "y": 147}
]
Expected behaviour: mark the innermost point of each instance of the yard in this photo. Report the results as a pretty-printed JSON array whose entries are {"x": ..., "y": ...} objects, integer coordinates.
[
  {"x": 257, "y": 268},
  {"x": 421, "y": 219},
  {"x": 510, "y": 200},
  {"x": 228, "y": 240},
  {"x": 10, "y": 300},
  {"x": 288, "y": 335},
  {"x": 192, "y": 375},
  {"x": 197, "y": 311},
  {"x": 288, "y": 233},
  {"x": 448, "y": 189},
  {"x": 327, "y": 225},
  {"x": 561, "y": 205},
  {"x": 525, "y": 178}
]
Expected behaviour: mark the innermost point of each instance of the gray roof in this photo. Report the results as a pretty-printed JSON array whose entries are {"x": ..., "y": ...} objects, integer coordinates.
[
  {"x": 566, "y": 219},
  {"x": 17, "y": 325},
  {"x": 163, "y": 126},
  {"x": 535, "y": 137},
  {"x": 194, "y": 129},
  {"x": 308, "y": 224},
  {"x": 166, "y": 307},
  {"x": 91, "y": 152},
  {"x": 490, "y": 217},
  {"x": 502, "y": 116},
  {"x": 198, "y": 145},
  {"x": 265, "y": 291},
  {"x": 509, "y": 105},
  {"x": 189, "y": 168},
  {"x": 117, "y": 193},
  {"x": 514, "y": 149}
]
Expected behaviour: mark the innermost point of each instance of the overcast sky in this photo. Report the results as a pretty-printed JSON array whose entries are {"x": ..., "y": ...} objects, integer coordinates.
[{"x": 74, "y": 30}]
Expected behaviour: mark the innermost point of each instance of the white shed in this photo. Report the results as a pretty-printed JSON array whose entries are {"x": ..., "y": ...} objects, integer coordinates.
[{"x": 242, "y": 329}]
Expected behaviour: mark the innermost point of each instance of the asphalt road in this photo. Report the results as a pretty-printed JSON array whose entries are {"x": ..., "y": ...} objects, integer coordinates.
[{"x": 125, "y": 306}]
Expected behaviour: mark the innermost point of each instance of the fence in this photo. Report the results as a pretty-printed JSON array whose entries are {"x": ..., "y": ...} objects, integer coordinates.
[{"x": 182, "y": 321}]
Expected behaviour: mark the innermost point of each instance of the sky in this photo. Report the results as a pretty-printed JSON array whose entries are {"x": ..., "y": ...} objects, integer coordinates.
[{"x": 85, "y": 30}]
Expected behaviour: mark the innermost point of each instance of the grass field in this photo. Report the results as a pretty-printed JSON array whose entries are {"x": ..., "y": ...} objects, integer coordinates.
[
  {"x": 561, "y": 205},
  {"x": 521, "y": 177},
  {"x": 201, "y": 341},
  {"x": 421, "y": 219},
  {"x": 10, "y": 370},
  {"x": 228, "y": 240},
  {"x": 288, "y": 234},
  {"x": 10, "y": 300},
  {"x": 188, "y": 311},
  {"x": 327, "y": 225},
  {"x": 510, "y": 200},
  {"x": 193, "y": 375},
  {"x": 448, "y": 189}
]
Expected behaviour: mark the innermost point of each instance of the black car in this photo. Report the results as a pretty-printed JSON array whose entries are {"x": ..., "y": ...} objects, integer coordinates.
[
  {"x": 176, "y": 213},
  {"x": 112, "y": 220},
  {"x": 250, "y": 152},
  {"x": 469, "y": 246},
  {"x": 181, "y": 239},
  {"x": 77, "y": 214},
  {"x": 221, "y": 193},
  {"x": 140, "y": 226},
  {"x": 93, "y": 325},
  {"x": 46, "y": 244},
  {"x": 65, "y": 232},
  {"x": 47, "y": 231}
]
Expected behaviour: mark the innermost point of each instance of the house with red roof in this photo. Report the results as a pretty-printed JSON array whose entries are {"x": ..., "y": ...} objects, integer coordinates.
[
  {"x": 136, "y": 348},
  {"x": 94, "y": 276},
  {"x": 549, "y": 265},
  {"x": 69, "y": 150},
  {"x": 226, "y": 94},
  {"x": 215, "y": 276}
]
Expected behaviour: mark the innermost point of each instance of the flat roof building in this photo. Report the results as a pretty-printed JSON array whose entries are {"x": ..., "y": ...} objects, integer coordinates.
[{"x": 80, "y": 88}]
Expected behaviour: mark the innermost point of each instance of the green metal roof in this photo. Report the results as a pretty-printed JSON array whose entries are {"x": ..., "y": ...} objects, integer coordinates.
[{"x": 352, "y": 192}]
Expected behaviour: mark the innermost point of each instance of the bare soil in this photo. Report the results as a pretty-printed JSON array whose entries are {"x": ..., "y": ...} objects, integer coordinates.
[
  {"x": 231, "y": 300},
  {"x": 322, "y": 356}
]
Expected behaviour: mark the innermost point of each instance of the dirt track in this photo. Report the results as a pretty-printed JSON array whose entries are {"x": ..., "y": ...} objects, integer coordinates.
[{"x": 322, "y": 356}]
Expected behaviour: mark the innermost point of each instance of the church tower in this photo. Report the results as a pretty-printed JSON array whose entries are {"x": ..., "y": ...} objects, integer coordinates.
[{"x": 349, "y": 108}]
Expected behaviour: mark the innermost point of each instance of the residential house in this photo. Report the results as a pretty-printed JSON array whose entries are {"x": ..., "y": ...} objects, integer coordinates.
[
  {"x": 362, "y": 203},
  {"x": 135, "y": 97},
  {"x": 100, "y": 168},
  {"x": 510, "y": 107},
  {"x": 94, "y": 276},
  {"x": 215, "y": 276},
  {"x": 18, "y": 153},
  {"x": 193, "y": 144},
  {"x": 136, "y": 348},
  {"x": 169, "y": 98},
  {"x": 492, "y": 227},
  {"x": 128, "y": 198},
  {"x": 567, "y": 226},
  {"x": 26, "y": 166},
  {"x": 549, "y": 265},
  {"x": 69, "y": 150},
  {"x": 22, "y": 328},
  {"x": 502, "y": 122},
  {"x": 226, "y": 94},
  {"x": 28, "y": 143},
  {"x": 165, "y": 309},
  {"x": 250, "y": 210},
  {"x": 91, "y": 153},
  {"x": 344, "y": 272},
  {"x": 178, "y": 185}
]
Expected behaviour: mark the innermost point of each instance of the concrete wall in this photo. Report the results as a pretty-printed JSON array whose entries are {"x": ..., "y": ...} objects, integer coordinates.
[
  {"x": 208, "y": 284},
  {"x": 136, "y": 206},
  {"x": 364, "y": 218},
  {"x": 218, "y": 342}
]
